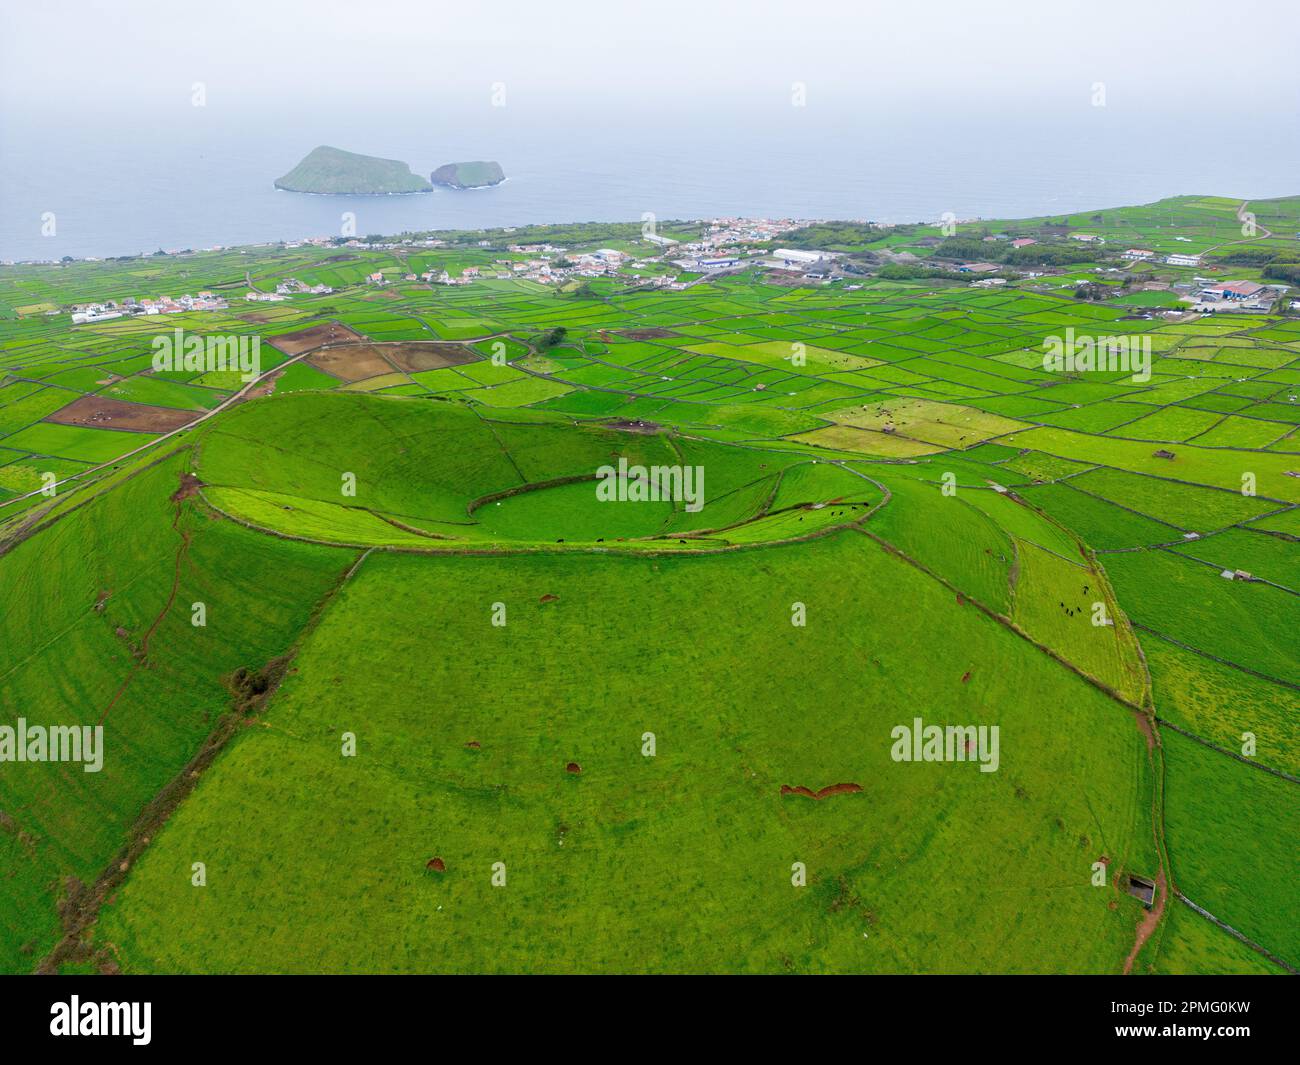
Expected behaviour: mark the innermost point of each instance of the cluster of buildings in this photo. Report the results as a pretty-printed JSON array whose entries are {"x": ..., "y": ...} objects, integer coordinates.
[
  {"x": 1234, "y": 290},
  {"x": 809, "y": 263},
  {"x": 546, "y": 267},
  {"x": 291, "y": 285},
  {"x": 83, "y": 313},
  {"x": 727, "y": 244},
  {"x": 722, "y": 246},
  {"x": 95, "y": 312},
  {"x": 438, "y": 277},
  {"x": 727, "y": 232},
  {"x": 535, "y": 249},
  {"x": 380, "y": 245},
  {"x": 602, "y": 262},
  {"x": 547, "y": 264},
  {"x": 717, "y": 249},
  {"x": 707, "y": 263},
  {"x": 1236, "y": 295}
]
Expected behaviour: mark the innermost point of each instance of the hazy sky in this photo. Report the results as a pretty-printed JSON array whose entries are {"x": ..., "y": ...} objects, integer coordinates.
[
  {"x": 896, "y": 110},
  {"x": 1195, "y": 57}
]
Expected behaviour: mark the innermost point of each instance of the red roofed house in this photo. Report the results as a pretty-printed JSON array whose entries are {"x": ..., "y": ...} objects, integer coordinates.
[{"x": 1239, "y": 290}]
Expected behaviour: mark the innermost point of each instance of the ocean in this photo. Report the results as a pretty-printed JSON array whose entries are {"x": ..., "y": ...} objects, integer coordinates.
[{"x": 116, "y": 183}]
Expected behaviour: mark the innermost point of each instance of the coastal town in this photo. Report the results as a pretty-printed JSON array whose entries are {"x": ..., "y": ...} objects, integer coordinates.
[
  {"x": 728, "y": 245},
  {"x": 706, "y": 250}
]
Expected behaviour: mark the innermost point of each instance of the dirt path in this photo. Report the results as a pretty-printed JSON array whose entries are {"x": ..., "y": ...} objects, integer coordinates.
[
  {"x": 1149, "y": 923},
  {"x": 1148, "y": 726}
]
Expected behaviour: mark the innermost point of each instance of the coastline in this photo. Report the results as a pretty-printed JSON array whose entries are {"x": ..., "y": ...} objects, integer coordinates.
[
  {"x": 469, "y": 188},
  {"x": 307, "y": 192},
  {"x": 6, "y": 261}
]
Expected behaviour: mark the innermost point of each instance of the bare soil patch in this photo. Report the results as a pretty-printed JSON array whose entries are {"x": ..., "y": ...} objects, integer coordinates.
[
  {"x": 1144, "y": 726},
  {"x": 645, "y": 334},
  {"x": 634, "y": 425},
  {"x": 351, "y": 362},
  {"x": 417, "y": 355},
  {"x": 265, "y": 387},
  {"x": 789, "y": 278},
  {"x": 313, "y": 337},
  {"x": 824, "y": 793},
  {"x": 95, "y": 412},
  {"x": 1150, "y": 921},
  {"x": 190, "y": 485}
]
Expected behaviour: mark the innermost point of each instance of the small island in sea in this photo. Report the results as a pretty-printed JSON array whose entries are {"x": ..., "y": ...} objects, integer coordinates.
[
  {"x": 334, "y": 171},
  {"x": 476, "y": 175}
]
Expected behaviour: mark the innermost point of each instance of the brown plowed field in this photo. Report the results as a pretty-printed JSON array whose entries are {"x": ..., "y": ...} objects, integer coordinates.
[
  {"x": 649, "y": 333},
  {"x": 358, "y": 362},
  {"x": 95, "y": 412},
  {"x": 314, "y": 337},
  {"x": 427, "y": 355},
  {"x": 351, "y": 362}
]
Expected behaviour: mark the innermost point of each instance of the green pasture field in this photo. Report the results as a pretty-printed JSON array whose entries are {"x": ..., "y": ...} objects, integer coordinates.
[
  {"x": 1248, "y": 624},
  {"x": 1188, "y": 943},
  {"x": 1222, "y": 704},
  {"x": 594, "y": 858},
  {"x": 1237, "y": 826},
  {"x": 888, "y": 462},
  {"x": 76, "y": 442},
  {"x": 72, "y": 655}
]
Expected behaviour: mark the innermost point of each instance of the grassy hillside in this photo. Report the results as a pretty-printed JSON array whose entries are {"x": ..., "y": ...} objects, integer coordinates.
[
  {"x": 936, "y": 867},
  {"x": 97, "y": 629},
  {"x": 969, "y": 537},
  {"x": 497, "y": 483},
  {"x": 469, "y": 175},
  {"x": 332, "y": 170}
]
